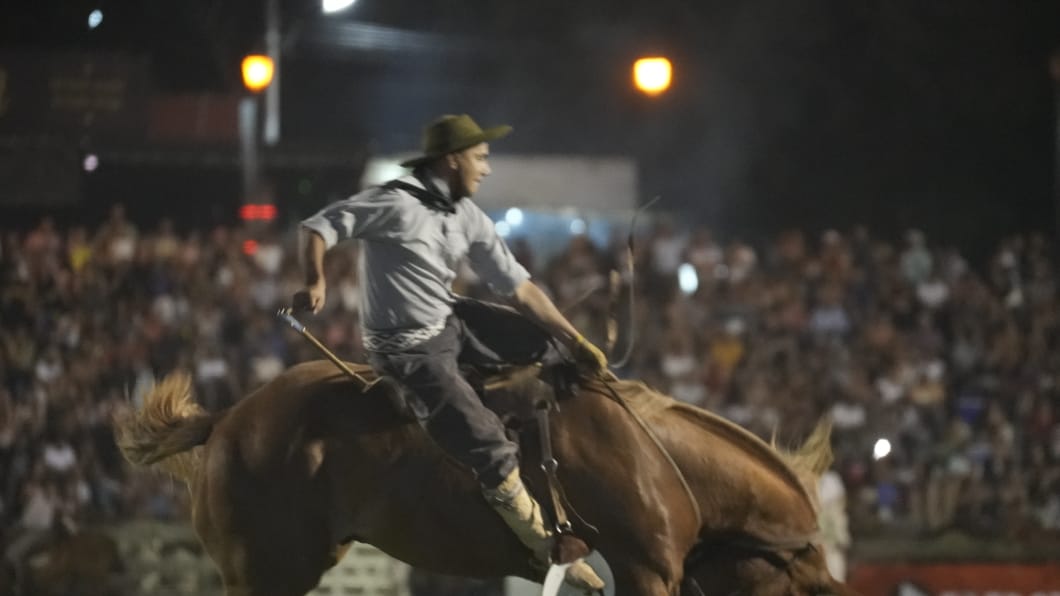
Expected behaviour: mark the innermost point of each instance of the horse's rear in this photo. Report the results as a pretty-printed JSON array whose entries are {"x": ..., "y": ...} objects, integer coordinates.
[
  {"x": 257, "y": 505},
  {"x": 287, "y": 478}
]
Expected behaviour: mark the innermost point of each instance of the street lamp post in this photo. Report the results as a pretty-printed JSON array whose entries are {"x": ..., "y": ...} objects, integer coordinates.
[
  {"x": 1054, "y": 71},
  {"x": 273, "y": 43},
  {"x": 261, "y": 76},
  {"x": 258, "y": 72}
]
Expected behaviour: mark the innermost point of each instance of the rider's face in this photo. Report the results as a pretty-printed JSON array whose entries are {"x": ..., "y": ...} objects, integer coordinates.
[{"x": 469, "y": 167}]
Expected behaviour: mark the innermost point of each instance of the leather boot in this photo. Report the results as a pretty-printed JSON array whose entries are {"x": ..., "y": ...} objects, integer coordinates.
[{"x": 523, "y": 515}]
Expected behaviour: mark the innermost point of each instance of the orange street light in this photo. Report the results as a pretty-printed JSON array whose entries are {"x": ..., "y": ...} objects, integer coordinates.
[
  {"x": 652, "y": 75},
  {"x": 257, "y": 72}
]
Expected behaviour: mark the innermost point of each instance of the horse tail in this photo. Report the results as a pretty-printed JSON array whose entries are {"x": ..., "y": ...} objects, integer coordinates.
[
  {"x": 812, "y": 458},
  {"x": 166, "y": 429}
]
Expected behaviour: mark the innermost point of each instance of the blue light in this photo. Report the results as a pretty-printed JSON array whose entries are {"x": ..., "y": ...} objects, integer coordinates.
[
  {"x": 514, "y": 216},
  {"x": 95, "y": 18}
]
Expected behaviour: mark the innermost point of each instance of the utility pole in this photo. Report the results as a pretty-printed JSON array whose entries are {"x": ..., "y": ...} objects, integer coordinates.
[
  {"x": 273, "y": 43},
  {"x": 1054, "y": 70}
]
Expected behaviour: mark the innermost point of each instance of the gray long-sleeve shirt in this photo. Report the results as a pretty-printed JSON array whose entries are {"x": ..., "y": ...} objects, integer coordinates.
[{"x": 411, "y": 254}]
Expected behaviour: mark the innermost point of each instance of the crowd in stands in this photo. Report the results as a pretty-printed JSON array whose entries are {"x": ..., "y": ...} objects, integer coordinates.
[{"x": 942, "y": 376}]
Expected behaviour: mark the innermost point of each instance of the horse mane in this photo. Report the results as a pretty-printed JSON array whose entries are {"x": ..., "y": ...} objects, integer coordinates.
[
  {"x": 811, "y": 459},
  {"x": 801, "y": 468}
]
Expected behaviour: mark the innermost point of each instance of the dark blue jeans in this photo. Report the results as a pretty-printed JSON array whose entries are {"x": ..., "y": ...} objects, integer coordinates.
[{"x": 442, "y": 399}]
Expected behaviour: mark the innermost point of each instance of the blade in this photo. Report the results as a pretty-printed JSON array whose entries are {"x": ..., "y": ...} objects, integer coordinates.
[{"x": 554, "y": 579}]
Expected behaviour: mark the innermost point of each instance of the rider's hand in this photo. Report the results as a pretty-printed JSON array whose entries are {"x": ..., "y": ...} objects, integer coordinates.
[
  {"x": 589, "y": 356},
  {"x": 311, "y": 298}
]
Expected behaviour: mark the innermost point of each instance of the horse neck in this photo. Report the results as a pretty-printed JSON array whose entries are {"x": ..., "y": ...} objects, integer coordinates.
[{"x": 728, "y": 467}]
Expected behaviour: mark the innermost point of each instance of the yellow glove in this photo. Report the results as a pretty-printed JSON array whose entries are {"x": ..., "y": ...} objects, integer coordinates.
[{"x": 588, "y": 355}]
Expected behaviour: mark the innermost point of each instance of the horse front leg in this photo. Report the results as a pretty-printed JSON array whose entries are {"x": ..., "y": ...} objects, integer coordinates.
[{"x": 641, "y": 580}]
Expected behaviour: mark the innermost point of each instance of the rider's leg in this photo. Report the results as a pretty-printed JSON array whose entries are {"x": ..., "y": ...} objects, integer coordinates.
[
  {"x": 522, "y": 513},
  {"x": 455, "y": 417},
  {"x": 448, "y": 407}
]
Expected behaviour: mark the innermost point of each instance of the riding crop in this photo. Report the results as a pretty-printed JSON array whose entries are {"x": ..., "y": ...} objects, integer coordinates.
[{"x": 285, "y": 314}]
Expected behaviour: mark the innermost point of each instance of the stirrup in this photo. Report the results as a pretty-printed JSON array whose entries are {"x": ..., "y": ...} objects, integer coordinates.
[{"x": 559, "y": 574}]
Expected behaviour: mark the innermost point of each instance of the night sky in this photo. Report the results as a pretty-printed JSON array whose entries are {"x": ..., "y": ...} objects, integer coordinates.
[{"x": 938, "y": 114}]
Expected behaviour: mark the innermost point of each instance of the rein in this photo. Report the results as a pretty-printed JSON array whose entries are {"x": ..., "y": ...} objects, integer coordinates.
[{"x": 614, "y": 396}]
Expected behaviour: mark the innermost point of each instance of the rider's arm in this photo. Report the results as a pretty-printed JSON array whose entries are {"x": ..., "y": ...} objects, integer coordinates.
[
  {"x": 494, "y": 263},
  {"x": 313, "y": 249},
  {"x": 534, "y": 303},
  {"x": 360, "y": 216}
]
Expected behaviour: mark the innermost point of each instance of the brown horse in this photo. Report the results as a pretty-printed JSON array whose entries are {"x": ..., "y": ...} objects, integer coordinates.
[{"x": 284, "y": 479}]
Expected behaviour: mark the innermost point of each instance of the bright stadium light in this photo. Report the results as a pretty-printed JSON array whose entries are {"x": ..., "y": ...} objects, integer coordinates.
[
  {"x": 514, "y": 216},
  {"x": 330, "y": 6},
  {"x": 95, "y": 18},
  {"x": 257, "y": 72},
  {"x": 881, "y": 449},
  {"x": 577, "y": 226},
  {"x": 652, "y": 75}
]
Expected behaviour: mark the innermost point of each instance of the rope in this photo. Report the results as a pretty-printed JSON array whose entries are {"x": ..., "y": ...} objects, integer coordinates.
[{"x": 624, "y": 360}]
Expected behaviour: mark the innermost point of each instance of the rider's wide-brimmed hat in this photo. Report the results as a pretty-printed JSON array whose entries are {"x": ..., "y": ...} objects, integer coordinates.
[{"x": 451, "y": 133}]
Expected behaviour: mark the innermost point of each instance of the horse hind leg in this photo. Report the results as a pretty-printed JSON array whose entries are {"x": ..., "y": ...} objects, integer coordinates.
[
  {"x": 274, "y": 563},
  {"x": 295, "y": 577},
  {"x": 272, "y": 542},
  {"x": 267, "y": 555}
]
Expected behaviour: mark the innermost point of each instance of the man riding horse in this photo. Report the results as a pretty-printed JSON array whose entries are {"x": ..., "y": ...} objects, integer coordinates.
[{"x": 416, "y": 231}]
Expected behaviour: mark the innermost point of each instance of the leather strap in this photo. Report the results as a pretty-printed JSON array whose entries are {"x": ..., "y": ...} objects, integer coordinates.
[{"x": 550, "y": 465}]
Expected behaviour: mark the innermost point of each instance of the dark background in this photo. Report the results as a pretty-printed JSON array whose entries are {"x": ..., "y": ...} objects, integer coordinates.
[{"x": 934, "y": 114}]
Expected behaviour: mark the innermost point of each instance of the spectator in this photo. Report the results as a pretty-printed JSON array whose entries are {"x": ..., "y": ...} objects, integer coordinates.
[
  {"x": 835, "y": 534},
  {"x": 954, "y": 362}
]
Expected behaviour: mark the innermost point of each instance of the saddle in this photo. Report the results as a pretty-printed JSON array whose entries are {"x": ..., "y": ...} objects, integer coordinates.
[{"x": 523, "y": 352}]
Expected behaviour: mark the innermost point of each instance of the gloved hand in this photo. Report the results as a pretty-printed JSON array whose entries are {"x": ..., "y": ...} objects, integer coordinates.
[{"x": 588, "y": 356}]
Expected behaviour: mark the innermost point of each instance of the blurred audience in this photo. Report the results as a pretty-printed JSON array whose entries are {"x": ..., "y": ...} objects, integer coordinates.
[{"x": 942, "y": 376}]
